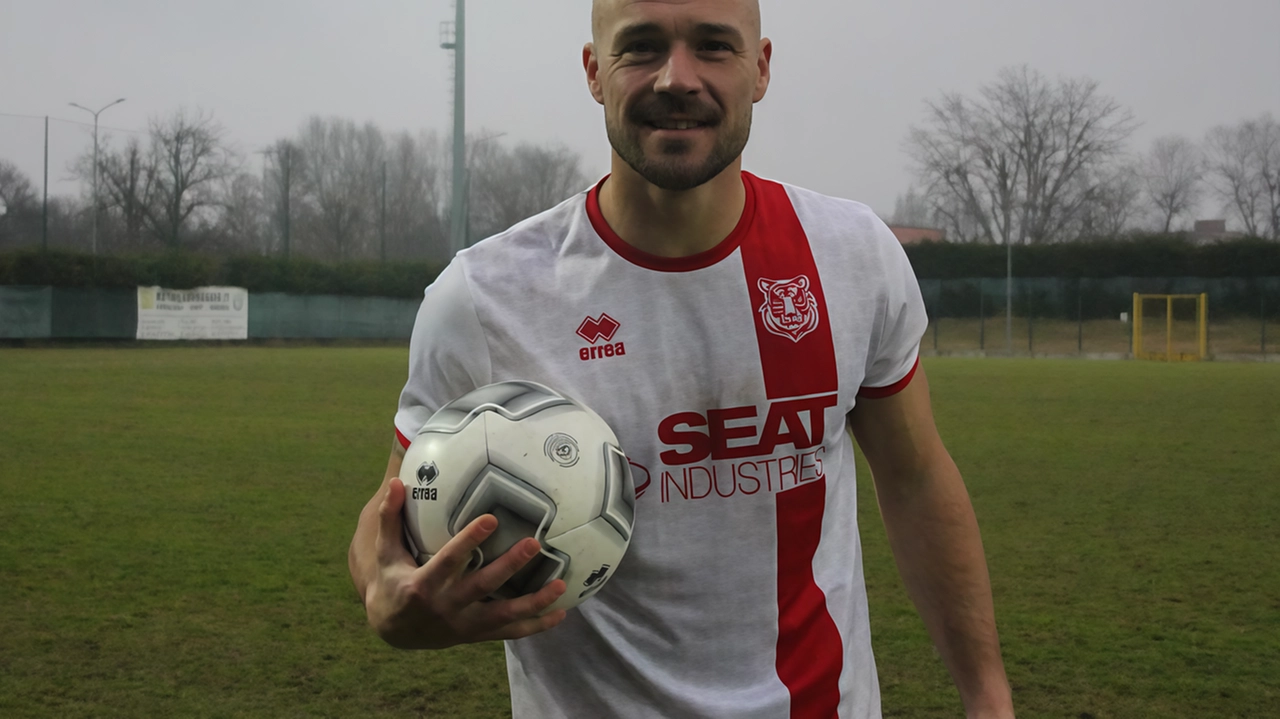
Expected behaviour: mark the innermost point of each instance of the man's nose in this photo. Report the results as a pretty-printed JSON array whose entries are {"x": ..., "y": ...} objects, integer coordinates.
[{"x": 679, "y": 75}]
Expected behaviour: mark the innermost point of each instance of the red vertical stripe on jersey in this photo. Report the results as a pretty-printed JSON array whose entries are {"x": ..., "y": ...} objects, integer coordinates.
[
  {"x": 798, "y": 359},
  {"x": 809, "y": 652}
]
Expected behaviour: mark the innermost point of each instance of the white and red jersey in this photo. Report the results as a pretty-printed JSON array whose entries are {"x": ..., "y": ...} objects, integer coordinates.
[{"x": 727, "y": 377}]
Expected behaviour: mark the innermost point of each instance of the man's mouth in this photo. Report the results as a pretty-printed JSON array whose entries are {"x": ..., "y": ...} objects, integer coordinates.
[{"x": 677, "y": 124}]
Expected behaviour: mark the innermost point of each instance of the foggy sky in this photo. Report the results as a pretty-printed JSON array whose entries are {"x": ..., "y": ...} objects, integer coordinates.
[{"x": 850, "y": 77}]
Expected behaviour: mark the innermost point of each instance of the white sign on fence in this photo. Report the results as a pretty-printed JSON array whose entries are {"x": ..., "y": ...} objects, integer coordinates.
[{"x": 204, "y": 313}]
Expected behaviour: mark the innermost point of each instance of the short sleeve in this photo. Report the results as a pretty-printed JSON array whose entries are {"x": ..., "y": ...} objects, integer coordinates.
[
  {"x": 448, "y": 352},
  {"x": 894, "y": 353}
]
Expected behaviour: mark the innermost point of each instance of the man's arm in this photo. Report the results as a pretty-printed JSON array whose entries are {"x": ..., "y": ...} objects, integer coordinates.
[
  {"x": 934, "y": 536},
  {"x": 436, "y": 605}
]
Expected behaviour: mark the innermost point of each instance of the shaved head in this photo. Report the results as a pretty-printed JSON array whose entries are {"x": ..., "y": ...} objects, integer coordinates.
[
  {"x": 677, "y": 79},
  {"x": 603, "y": 12}
]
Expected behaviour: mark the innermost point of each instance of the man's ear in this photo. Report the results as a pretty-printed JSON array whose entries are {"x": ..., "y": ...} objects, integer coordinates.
[
  {"x": 762, "y": 81},
  {"x": 592, "y": 66}
]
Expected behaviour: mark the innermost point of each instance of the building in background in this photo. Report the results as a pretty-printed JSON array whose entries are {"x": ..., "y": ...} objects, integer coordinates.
[
  {"x": 916, "y": 235},
  {"x": 1213, "y": 231}
]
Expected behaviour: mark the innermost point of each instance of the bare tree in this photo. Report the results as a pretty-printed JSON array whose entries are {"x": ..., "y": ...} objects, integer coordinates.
[
  {"x": 341, "y": 179},
  {"x": 1111, "y": 202},
  {"x": 1244, "y": 167},
  {"x": 415, "y": 225},
  {"x": 1171, "y": 176},
  {"x": 282, "y": 194},
  {"x": 241, "y": 223},
  {"x": 19, "y": 208},
  {"x": 129, "y": 189},
  {"x": 508, "y": 186},
  {"x": 912, "y": 209},
  {"x": 1014, "y": 158},
  {"x": 15, "y": 188},
  {"x": 191, "y": 162}
]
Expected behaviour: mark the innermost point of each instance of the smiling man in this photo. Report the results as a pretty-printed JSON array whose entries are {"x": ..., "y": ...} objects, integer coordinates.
[{"x": 733, "y": 331}]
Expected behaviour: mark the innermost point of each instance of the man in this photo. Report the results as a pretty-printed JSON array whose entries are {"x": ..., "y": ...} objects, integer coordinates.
[{"x": 753, "y": 324}]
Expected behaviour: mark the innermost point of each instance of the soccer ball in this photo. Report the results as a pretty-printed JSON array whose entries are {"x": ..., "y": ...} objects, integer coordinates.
[{"x": 545, "y": 465}]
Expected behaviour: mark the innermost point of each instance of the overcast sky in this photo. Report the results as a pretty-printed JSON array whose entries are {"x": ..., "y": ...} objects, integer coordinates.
[{"x": 850, "y": 76}]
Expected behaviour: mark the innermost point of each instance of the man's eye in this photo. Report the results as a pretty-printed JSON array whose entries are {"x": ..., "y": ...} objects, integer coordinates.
[
  {"x": 642, "y": 47},
  {"x": 716, "y": 46}
]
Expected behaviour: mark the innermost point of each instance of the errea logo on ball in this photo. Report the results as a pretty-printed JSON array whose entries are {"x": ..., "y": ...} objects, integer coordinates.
[{"x": 598, "y": 330}]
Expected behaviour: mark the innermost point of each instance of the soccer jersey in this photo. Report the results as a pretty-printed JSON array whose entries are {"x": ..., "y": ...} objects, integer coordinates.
[{"x": 728, "y": 377}]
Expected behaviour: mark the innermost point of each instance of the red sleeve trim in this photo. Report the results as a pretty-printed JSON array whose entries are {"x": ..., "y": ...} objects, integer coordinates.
[
  {"x": 891, "y": 390},
  {"x": 404, "y": 441}
]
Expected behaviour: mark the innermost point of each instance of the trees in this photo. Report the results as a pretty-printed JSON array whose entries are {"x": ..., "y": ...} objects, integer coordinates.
[
  {"x": 415, "y": 224},
  {"x": 1018, "y": 162},
  {"x": 151, "y": 193},
  {"x": 340, "y": 175},
  {"x": 1171, "y": 177},
  {"x": 190, "y": 161},
  {"x": 912, "y": 209},
  {"x": 19, "y": 208},
  {"x": 336, "y": 190},
  {"x": 508, "y": 186},
  {"x": 128, "y": 191},
  {"x": 1244, "y": 168},
  {"x": 1110, "y": 201}
]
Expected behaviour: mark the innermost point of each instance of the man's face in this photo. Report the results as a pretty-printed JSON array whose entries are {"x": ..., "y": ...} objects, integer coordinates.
[{"x": 677, "y": 79}]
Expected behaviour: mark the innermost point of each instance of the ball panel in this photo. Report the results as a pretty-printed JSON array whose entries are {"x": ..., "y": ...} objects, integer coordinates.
[
  {"x": 619, "y": 507},
  {"x": 560, "y": 451},
  {"x": 495, "y": 488},
  {"x": 595, "y": 549},
  {"x": 436, "y": 470},
  {"x": 514, "y": 400}
]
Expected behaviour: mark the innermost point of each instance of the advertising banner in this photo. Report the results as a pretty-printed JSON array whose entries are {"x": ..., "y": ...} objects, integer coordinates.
[{"x": 204, "y": 313}]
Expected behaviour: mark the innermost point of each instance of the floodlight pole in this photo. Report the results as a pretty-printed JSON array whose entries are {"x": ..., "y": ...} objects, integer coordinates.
[
  {"x": 95, "y": 163},
  {"x": 458, "y": 44},
  {"x": 1008, "y": 295},
  {"x": 44, "y": 204}
]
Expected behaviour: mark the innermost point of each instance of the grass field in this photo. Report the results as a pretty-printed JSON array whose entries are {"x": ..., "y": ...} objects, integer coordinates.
[{"x": 174, "y": 522}]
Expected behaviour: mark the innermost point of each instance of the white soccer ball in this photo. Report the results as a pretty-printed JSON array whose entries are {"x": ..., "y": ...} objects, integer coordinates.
[{"x": 545, "y": 465}]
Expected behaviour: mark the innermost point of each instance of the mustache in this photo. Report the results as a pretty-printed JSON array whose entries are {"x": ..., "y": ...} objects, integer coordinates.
[{"x": 658, "y": 108}]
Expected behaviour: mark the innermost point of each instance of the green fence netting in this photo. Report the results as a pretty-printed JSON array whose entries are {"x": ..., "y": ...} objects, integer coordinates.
[
  {"x": 276, "y": 315},
  {"x": 25, "y": 312},
  {"x": 88, "y": 313}
]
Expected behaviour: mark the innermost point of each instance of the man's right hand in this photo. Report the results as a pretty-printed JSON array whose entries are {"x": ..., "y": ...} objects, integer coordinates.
[{"x": 437, "y": 605}]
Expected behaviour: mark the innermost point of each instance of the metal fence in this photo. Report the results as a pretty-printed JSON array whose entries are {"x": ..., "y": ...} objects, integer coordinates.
[
  {"x": 112, "y": 314},
  {"x": 971, "y": 316},
  {"x": 1087, "y": 316}
]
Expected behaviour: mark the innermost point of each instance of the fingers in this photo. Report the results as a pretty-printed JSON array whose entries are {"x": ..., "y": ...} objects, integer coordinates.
[
  {"x": 531, "y": 605},
  {"x": 454, "y": 555},
  {"x": 487, "y": 580},
  {"x": 388, "y": 545},
  {"x": 519, "y": 614}
]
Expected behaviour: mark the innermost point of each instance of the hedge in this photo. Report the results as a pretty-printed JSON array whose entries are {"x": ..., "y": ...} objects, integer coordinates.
[
  {"x": 1160, "y": 256},
  {"x": 1157, "y": 256},
  {"x": 185, "y": 270}
]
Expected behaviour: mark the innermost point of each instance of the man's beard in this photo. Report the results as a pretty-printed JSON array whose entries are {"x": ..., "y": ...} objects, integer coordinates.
[{"x": 667, "y": 169}]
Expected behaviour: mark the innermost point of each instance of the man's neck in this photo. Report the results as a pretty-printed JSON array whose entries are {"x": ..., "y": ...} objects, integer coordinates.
[{"x": 672, "y": 223}]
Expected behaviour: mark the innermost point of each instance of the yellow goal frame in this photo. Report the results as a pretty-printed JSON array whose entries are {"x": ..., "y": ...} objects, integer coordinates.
[{"x": 1168, "y": 355}]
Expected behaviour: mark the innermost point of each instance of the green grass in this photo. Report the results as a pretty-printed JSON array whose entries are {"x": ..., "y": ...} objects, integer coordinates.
[{"x": 174, "y": 523}]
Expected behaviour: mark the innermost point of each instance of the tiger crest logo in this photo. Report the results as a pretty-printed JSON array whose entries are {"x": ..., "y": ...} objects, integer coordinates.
[{"x": 790, "y": 310}]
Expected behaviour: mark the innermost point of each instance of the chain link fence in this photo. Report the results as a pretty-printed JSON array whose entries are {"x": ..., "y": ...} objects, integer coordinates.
[{"x": 1092, "y": 317}]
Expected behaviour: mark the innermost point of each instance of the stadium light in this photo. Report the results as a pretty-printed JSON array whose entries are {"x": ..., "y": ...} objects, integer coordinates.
[
  {"x": 455, "y": 38},
  {"x": 95, "y": 163}
]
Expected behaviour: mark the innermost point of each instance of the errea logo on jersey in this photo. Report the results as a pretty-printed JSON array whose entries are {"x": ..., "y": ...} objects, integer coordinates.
[{"x": 600, "y": 331}]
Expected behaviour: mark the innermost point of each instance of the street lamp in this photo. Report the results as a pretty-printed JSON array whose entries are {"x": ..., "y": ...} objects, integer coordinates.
[{"x": 95, "y": 164}]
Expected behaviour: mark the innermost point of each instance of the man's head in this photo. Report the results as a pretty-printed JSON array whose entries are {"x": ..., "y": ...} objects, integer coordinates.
[{"x": 677, "y": 79}]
